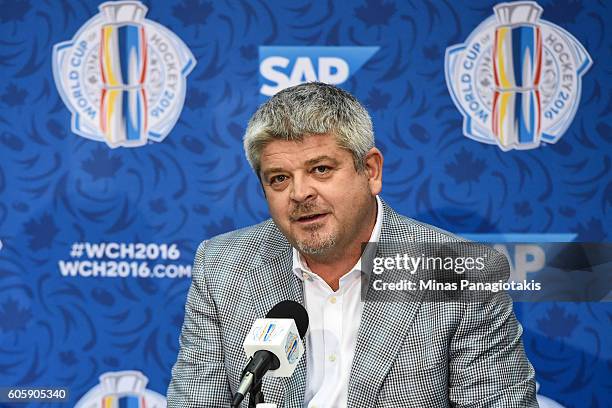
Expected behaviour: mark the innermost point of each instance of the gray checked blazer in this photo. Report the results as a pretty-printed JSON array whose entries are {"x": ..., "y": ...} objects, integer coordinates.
[{"x": 408, "y": 354}]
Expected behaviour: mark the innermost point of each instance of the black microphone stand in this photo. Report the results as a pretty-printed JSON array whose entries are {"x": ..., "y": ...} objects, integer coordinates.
[
  {"x": 257, "y": 396},
  {"x": 254, "y": 388},
  {"x": 258, "y": 366}
]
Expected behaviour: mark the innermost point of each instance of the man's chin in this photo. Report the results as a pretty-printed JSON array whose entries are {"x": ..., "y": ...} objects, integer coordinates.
[
  {"x": 314, "y": 251},
  {"x": 318, "y": 242},
  {"x": 318, "y": 248}
]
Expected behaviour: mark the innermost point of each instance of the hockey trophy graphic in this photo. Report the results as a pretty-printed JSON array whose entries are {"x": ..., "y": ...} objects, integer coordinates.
[
  {"x": 123, "y": 60},
  {"x": 123, "y": 389},
  {"x": 517, "y": 63}
]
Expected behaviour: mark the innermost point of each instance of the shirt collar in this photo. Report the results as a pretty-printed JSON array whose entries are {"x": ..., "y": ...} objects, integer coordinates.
[{"x": 301, "y": 269}]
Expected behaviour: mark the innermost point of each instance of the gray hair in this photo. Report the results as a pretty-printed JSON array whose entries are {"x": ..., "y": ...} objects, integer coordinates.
[{"x": 310, "y": 109}]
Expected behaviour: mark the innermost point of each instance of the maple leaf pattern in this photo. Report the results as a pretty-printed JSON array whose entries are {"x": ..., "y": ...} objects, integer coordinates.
[
  {"x": 41, "y": 232},
  {"x": 567, "y": 211},
  {"x": 558, "y": 323},
  {"x": 249, "y": 52},
  {"x": 465, "y": 168},
  {"x": 14, "y": 318},
  {"x": 377, "y": 100},
  {"x": 56, "y": 129},
  {"x": 224, "y": 225},
  {"x": 103, "y": 296},
  {"x": 376, "y": 13},
  {"x": 101, "y": 164},
  {"x": 563, "y": 11},
  {"x": 14, "y": 96},
  {"x": 193, "y": 12},
  {"x": 432, "y": 52},
  {"x": 158, "y": 205},
  {"x": 13, "y": 10},
  {"x": 196, "y": 99},
  {"x": 192, "y": 144},
  {"x": 111, "y": 361},
  {"x": 523, "y": 209},
  {"x": 68, "y": 358}
]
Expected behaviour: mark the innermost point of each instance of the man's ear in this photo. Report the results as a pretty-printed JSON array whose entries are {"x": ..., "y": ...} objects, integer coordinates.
[{"x": 373, "y": 167}]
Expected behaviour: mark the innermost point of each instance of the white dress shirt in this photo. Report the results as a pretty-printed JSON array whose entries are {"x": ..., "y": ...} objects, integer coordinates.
[{"x": 332, "y": 335}]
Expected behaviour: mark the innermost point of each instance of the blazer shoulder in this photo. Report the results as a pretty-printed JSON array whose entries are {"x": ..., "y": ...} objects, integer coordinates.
[
  {"x": 431, "y": 233},
  {"x": 238, "y": 238},
  {"x": 442, "y": 242},
  {"x": 398, "y": 227},
  {"x": 238, "y": 250}
]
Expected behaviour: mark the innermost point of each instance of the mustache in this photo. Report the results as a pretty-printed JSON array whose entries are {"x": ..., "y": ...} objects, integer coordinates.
[{"x": 303, "y": 209}]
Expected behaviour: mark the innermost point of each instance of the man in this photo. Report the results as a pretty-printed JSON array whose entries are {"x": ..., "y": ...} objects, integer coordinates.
[{"x": 312, "y": 148}]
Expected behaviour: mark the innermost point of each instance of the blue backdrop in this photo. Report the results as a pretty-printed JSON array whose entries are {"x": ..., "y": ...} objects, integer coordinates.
[{"x": 65, "y": 197}]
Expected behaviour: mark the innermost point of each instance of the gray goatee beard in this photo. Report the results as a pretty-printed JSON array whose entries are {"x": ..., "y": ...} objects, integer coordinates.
[{"x": 317, "y": 245}]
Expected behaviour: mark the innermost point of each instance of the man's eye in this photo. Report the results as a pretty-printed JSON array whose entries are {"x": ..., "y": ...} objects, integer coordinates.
[
  {"x": 321, "y": 169},
  {"x": 277, "y": 179}
]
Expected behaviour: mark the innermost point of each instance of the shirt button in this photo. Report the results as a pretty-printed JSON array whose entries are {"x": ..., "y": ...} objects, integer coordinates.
[
  {"x": 332, "y": 357},
  {"x": 332, "y": 300},
  {"x": 306, "y": 276}
]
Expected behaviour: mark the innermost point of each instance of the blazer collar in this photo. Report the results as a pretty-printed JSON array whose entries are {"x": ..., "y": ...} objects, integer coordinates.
[
  {"x": 386, "y": 318},
  {"x": 271, "y": 282}
]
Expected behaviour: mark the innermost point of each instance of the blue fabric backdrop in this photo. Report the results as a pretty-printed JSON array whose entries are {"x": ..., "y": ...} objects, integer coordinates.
[{"x": 61, "y": 192}]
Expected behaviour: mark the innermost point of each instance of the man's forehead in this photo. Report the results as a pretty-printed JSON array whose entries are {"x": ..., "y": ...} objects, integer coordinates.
[{"x": 308, "y": 150}]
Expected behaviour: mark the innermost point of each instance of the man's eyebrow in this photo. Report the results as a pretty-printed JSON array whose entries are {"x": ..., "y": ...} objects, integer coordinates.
[
  {"x": 313, "y": 161},
  {"x": 272, "y": 170},
  {"x": 320, "y": 159}
]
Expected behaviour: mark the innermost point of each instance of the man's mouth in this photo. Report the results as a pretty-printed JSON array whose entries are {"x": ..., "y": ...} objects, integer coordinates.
[{"x": 308, "y": 218}]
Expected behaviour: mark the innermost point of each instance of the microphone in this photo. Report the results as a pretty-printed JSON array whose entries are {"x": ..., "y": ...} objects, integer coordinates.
[{"x": 273, "y": 346}]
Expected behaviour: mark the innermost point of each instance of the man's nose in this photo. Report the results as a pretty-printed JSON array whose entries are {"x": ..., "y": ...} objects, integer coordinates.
[{"x": 302, "y": 189}]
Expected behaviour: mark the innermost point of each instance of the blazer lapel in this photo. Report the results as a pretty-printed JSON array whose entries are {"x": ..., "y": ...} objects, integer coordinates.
[
  {"x": 384, "y": 322},
  {"x": 271, "y": 282}
]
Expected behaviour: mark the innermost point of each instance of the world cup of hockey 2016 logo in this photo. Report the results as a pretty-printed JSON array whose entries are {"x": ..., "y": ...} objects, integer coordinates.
[
  {"x": 517, "y": 78},
  {"x": 121, "y": 389},
  {"x": 122, "y": 76}
]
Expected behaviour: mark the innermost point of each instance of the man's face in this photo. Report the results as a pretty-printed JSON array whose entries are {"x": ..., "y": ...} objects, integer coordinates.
[{"x": 316, "y": 196}]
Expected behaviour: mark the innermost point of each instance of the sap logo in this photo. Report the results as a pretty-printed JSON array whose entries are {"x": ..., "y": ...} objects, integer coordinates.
[
  {"x": 282, "y": 67},
  {"x": 526, "y": 253},
  {"x": 523, "y": 258}
]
